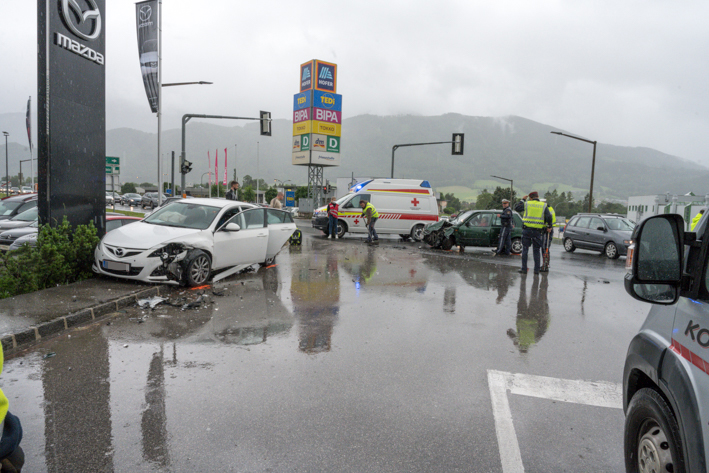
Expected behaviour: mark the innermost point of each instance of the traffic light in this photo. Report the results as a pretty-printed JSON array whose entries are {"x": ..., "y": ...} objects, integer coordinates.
[
  {"x": 457, "y": 144},
  {"x": 186, "y": 167},
  {"x": 324, "y": 189},
  {"x": 265, "y": 123}
]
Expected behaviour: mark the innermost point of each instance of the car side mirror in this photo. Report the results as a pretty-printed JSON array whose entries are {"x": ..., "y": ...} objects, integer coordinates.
[
  {"x": 603, "y": 229},
  {"x": 231, "y": 227},
  {"x": 654, "y": 260}
]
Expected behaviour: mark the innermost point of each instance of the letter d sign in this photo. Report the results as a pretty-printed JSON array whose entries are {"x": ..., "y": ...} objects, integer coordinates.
[
  {"x": 305, "y": 142},
  {"x": 333, "y": 144}
]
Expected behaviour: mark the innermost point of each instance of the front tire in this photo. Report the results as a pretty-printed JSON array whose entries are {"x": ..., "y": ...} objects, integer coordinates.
[
  {"x": 198, "y": 269},
  {"x": 516, "y": 246},
  {"x": 341, "y": 228},
  {"x": 611, "y": 251},
  {"x": 569, "y": 245},
  {"x": 652, "y": 438},
  {"x": 447, "y": 244},
  {"x": 417, "y": 232}
]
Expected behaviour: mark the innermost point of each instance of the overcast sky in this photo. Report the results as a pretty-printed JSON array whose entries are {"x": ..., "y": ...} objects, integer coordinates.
[{"x": 630, "y": 73}]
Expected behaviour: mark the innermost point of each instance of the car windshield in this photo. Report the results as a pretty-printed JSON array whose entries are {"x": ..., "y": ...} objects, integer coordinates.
[
  {"x": 6, "y": 208},
  {"x": 26, "y": 216},
  {"x": 620, "y": 224},
  {"x": 184, "y": 215},
  {"x": 462, "y": 217}
]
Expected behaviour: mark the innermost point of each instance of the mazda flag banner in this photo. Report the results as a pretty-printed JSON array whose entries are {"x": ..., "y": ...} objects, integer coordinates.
[
  {"x": 209, "y": 163},
  {"x": 148, "y": 48},
  {"x": 224, "y": 166}
]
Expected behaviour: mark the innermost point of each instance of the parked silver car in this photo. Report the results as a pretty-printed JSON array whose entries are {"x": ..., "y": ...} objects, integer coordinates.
[{"x": 611, "y": 234}]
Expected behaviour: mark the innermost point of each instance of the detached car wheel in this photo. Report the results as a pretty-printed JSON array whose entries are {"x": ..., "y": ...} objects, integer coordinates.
[
  {"x": 569, "y": 245},
  {"x": 611, "y": 251},
  {"x": 516, "y": 247},
  {"x": 198, "y": 268},
  {"x": 417, "y": 232},
  {"x": 652, "y": 439}
]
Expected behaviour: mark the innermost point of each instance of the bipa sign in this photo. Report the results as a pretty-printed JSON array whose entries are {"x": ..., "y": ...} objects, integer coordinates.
[
  {"x": 301, "y": 115},
  {"x": 324, "y": 115}
]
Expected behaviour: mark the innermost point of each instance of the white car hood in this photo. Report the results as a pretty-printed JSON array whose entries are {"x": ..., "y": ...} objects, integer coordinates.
[{"x": 143, "y": 236}]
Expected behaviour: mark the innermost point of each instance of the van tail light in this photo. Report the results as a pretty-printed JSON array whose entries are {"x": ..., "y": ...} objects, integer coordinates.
[{"x": 629, "y": 258}]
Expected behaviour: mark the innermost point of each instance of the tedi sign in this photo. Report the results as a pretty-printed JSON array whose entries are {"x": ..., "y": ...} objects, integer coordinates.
[{"x": 71, "y": 111}]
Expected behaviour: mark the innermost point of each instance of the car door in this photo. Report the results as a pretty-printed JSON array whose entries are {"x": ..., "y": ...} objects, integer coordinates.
[
  {"x": 579, "y": 232},
  {"x": 495, "y": 229},
  {"x": 280, "y": 227},
  {"x": 246, "y": 246},
  {"x": 473, "y": 231},
  {"x": 596, "y": 233},
  {"x": 352, "y": 213}
]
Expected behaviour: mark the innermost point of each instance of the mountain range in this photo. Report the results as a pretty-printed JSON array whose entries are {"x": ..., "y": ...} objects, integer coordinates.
[{"x": 512, "y": 147}]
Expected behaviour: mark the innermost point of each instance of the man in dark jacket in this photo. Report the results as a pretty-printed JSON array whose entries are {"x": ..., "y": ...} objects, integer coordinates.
[
  {"x": 537, "y": 220},
  {"x": 233, "y": 192},
  {"x": 505, "y": 245}
]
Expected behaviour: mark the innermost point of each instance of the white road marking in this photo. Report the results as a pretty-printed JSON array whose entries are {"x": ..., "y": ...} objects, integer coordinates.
[{"x": 599, "y": 393}]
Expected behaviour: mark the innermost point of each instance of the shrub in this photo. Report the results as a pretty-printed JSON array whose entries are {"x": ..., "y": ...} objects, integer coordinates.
[
  {"x": 448, "y": 210},
  {"x": 62, "y": 256}
]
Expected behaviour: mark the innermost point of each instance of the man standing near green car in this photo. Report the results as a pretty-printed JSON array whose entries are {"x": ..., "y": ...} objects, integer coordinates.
[{"x": 505, "y": 245}]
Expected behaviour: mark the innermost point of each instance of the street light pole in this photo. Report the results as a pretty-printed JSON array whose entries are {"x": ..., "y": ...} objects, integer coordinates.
[
  {"x": 512, "y": 191},
  {"x": 202, "y": 185},
  {"x": 7, "y": 172},
  {"x": 593, "y": 165}
]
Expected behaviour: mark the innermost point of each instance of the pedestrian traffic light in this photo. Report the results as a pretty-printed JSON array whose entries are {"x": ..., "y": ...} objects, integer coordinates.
[
  {"x": 265, "y": 123},
  {"x": 186, "y": 167},
  {"x": 457, "y": 144}
]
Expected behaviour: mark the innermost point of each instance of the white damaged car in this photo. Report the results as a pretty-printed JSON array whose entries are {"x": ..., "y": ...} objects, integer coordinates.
[{"x": 189, "y": 241}]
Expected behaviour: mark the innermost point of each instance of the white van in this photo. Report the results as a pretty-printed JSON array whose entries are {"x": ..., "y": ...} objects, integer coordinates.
[{"x": 405, "y": 206}]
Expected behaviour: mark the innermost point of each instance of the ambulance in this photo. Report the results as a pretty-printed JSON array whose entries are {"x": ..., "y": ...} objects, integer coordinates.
[{"x": 405, "y": 206}]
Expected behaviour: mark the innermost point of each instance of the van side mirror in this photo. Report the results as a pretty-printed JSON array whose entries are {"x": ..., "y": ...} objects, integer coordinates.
[{"x": 655, "y": 260}]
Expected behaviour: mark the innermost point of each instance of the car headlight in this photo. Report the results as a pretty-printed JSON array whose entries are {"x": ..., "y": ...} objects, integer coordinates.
[{"x": 171, "y": 249}]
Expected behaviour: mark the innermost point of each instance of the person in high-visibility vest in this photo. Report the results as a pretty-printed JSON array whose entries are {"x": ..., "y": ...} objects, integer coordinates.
[
  {"x": 537, "y": 222},
  {"x": 696, "y": 220},
  {"x": 12, "y": 458},
  {"x": 370, "y": 215}
]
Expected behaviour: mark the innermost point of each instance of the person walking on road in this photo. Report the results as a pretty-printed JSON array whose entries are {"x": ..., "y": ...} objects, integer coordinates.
[
  {"x": 546, "y": 247},
  {"x": 276, "y": 201},
  {"x": 370, "y": 215},
  {"x": 233, "y": 192},
  {"x": 696, "y": 220},
  {"x": 537, "y": 220},
  {"x": 505, "y": 245},
  {"x": 332, "y": 215}
]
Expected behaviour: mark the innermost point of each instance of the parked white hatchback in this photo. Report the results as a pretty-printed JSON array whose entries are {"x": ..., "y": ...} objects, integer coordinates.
[{"x": 189, "y": 241}]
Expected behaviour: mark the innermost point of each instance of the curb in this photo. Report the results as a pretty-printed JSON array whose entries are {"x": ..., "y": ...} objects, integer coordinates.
[{"x": 13, "y": 342}]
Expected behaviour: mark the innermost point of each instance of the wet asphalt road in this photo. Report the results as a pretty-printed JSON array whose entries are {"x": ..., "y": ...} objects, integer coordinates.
[{"x": 342, "y": 357}]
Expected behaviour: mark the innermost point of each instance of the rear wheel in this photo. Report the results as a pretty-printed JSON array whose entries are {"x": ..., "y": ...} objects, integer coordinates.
[
  {"x": 198, "y": 269},
  {"x": 417, "y": 232},
  {"x": 516, "y": 246},
  {"x": 404, "y": 237},
  {"x": 611, "y": 251},
  {"x": 268, "y": 262},
  {"x": 569, "y": 245},
  {"x": 447, "y": 244},
  {"x": 652, "y": 437}
]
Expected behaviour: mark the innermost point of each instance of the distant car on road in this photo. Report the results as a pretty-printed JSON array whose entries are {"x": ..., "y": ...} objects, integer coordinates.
[
  {"x": 14, "y": 190},
  {"x": 131, "y": 199},
  {"x": 611, "y": 234},
  {"x": 26, "y": 190},
  {"x": 112, "y": 198},
  {"x": 150, "y": 200},
  {"x": 13, "y": 205}
]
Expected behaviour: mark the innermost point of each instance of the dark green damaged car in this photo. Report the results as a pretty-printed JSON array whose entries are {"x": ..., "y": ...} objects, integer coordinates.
[{"x": 472, "y": 228}]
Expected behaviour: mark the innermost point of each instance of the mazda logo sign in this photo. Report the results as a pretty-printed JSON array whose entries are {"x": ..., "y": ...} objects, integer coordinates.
[
  {"x": 119, "y": 252},
  {"x": 145, "y": 13},
  {"x": 74, "y": 17}
]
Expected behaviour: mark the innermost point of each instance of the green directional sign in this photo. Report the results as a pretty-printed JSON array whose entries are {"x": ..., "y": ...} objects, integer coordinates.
[
  {"x": 111, "y": 160},
  {"x": 109, "y": 169}
]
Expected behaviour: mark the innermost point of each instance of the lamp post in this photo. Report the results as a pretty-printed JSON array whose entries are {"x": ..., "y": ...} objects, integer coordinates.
[
  {"x": 7, "y": 172},
  {"x": 511, "y": 185},
  {"x": 283, "y": 184},
  {"x": 593, "y": 165},
  {"x": 202, "y": 185}
]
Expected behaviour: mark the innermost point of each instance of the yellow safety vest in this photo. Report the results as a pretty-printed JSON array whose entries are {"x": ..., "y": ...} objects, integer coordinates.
[
  {"x": 534, "y": 214},
  {"x": 375, "y": 214},
  {"x": 695, "y": 221},
  {"x": 553, "y": 216}
]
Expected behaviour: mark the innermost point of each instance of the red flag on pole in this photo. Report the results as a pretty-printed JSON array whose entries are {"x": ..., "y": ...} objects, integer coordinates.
[
  {"x": 224, "y": 166},
  {"x": 216, "y": 168},
  {"x": 209, "y": 163}
]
